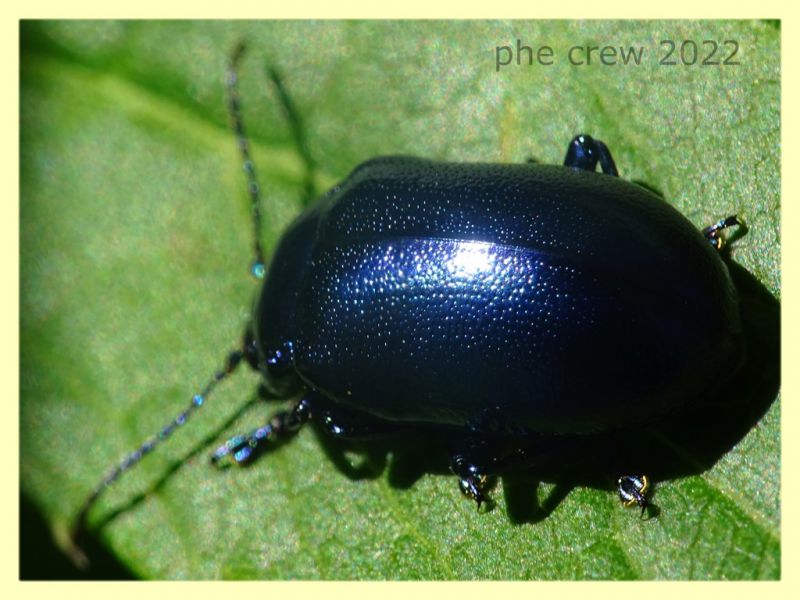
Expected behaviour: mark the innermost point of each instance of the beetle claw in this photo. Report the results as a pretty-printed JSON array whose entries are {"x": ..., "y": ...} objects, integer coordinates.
[
  {"x": 713, "y": 232},
  {"x": 472, "y": 486},
  {"x": 632, "y": 490}
]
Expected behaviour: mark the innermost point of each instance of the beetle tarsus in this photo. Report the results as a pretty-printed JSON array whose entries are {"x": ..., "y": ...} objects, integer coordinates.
[
  {"x": 472, "y": 479},
  {"x": 584, "y": 152},
  {"x": 713, "y": 233},
  {"x": 632, "y": 490},
  {"x": 472, "y": 486},
  {"x": 242, "y": 449}
]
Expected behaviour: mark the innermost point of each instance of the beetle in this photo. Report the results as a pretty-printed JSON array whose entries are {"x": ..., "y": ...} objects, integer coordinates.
[{"x": 515, "y": 306}]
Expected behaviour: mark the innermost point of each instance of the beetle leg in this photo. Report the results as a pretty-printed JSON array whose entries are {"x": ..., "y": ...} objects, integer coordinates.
[
  {"x": 472, "y": 486},
  {"x": 471, "y": 471},
  {"x": 632, "y": 490},
  {"x": 584, "y": 152},
  {"x": 712, "y": 232},
  {"x": 241, "y": 449}
]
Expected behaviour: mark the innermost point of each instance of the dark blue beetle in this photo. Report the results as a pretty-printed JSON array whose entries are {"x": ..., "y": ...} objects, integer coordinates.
[
  {"x": 503, "y": 300},
  {"x": 511, "y": 302}
]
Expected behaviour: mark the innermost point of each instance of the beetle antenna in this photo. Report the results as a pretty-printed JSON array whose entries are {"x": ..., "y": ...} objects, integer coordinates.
[
  {"x": 127, "y": 463},
  {"x": 257, "y": 269},
  {"x": 234, "y": 358}
]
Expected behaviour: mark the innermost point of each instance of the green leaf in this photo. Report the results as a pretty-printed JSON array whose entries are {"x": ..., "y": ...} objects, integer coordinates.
[{"x": 136, "y": 242}]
